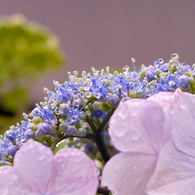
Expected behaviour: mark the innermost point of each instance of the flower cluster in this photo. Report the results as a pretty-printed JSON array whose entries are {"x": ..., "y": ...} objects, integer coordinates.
[
  {"x": 151, "y": 120},
  {"x": 156, "y": 140},
  {"x": 83, "y": 105},
  {"x": 36, "y": 171}
]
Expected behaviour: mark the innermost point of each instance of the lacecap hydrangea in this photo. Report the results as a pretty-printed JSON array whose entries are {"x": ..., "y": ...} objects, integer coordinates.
[{"x": 81, "y": 106}]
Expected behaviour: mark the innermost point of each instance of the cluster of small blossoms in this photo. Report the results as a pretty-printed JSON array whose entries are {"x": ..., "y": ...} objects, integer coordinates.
[{"x": 66, "y": 112}]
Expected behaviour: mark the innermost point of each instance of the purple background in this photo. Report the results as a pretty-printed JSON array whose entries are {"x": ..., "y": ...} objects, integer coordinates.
[{"x": 102, "y": 33}]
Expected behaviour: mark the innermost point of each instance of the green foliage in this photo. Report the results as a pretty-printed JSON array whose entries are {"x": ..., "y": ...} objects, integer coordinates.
[{"x": 27, "y": 51}]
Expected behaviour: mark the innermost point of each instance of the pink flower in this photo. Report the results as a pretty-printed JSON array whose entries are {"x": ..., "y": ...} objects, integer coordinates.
[
  {"x": 175, "y": 169},
  {"x": 139, "y": 129},
  {"x": 37, "y": 172}
]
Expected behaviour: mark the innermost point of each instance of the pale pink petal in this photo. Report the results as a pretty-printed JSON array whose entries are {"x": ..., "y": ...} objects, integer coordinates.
[
  {"x": 164, "y": 99},
  {"x": 152, "y": 119},
  {"x": 33, "y": 163},
  {"x": 137, "y": 125},
  {"x": 167, "y": 101},
  {"x": 10, "y": 184},
  {"x": 75, "y": 174},
  {"x": 174, "y": 174},
  {"x": 128, "y": 173},
  {"x": 184, "y": 124}
]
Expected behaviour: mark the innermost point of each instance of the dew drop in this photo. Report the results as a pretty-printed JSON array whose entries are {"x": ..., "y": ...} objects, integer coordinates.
[
  {"x": 174, "y": 56},
  {"x": 160, "y": 60},
  {"x": 125, "y": 69},
  {"x": 75, "y": 73},
  {"x": 83, "y": 73},
  {"x": 133, "y": 63}
]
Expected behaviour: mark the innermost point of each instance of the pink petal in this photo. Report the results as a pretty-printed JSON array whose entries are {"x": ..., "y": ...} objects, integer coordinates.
[
  {"x": 152, "y": 119},
  {"x": 137, "y": 125},
  {"x": 164, "y": 99},
  {"x": 174, "y": 174},
  {"x": 167, "y": 101},
  {"x": 75, "y": 174},
  {"x": 184, "y": 123},
  {"x": 33, "y": 164},
  {"x": 127, "y": 173},
  {"x": 10, "y": 184}
]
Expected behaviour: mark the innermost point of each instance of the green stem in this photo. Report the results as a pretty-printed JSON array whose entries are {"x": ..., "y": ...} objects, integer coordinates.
[{"x": 55, "y": 142}]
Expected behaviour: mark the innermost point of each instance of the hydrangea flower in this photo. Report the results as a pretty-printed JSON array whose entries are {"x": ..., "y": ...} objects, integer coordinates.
[
  {"x": 37, "y": 172},
  {"x": 175, "y": 171},
  {"x": 83, "y": 104},
  {"x": 140, "y": 129}
]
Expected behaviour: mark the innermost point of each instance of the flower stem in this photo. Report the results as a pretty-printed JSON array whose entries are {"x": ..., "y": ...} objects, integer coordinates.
[
  {"x": 98, "y": 139},
  {"x": 106, "y": 119},
  {"x": 103, "y": 191}
]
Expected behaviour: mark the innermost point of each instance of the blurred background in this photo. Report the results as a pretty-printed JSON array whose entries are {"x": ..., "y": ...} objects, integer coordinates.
[{"x": 99, "y": 33}]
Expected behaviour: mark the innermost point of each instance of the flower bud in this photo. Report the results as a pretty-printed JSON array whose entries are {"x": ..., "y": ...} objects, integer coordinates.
[
  {"x": 97, "y": 105},
  {"x": 65, "y": 108},
  {"x": 98, "y": 114},
  {"x": 12, "y": 150},
  {"x": 183, "y": 81},
  {"x": 143, "y": 71},
  {"x": 71, "y": 130},
  {"x": 62, "y": 98},
  {"x": 105, "y": 107},
  {"x": 10, "y": 136},
  {"x": 29, "y": 134},
  {"x": 113, "y": 99},
  {"x": 32, "y": 126},
  {"x": 173, "y": 68},
  {"x": 82, "y": 132},
  {"x": 63, "y": 126},
  {"x": 150, "y": 75},
  {"x": 44, "y": 128},
  {"x": 140, "y": 93},
  {"x": 36, "y": 120},
  {"x": 132, "y": 94}
]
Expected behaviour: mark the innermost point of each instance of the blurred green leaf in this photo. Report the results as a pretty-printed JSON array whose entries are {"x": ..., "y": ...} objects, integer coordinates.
[{"x": 27, "y": 51}]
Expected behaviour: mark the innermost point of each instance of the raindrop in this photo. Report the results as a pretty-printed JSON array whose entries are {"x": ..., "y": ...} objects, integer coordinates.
[
  {"x": 160, "y": 60},
  {"x": 75, "y": 73},
  {"x": 174, "y": 56},
  {"x": 107, "y": 69},
  {"x": 125, "y": 69},
  {"x": 133, "y": 63}
]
